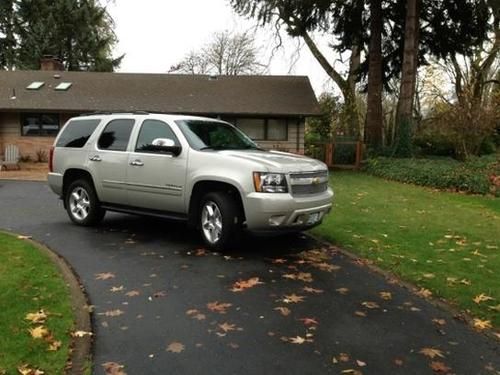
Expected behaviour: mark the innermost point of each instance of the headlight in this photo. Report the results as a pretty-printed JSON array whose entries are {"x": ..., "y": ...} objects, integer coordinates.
[{"x": 265, "y": 182}]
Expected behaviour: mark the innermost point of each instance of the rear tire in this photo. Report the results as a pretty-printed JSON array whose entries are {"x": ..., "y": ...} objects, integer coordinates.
[
  {"x": 220, "y": 220},
  {"x": 82, "y": 205}
]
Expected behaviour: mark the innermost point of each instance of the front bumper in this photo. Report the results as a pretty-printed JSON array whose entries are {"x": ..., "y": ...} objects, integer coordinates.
[{"x": 269, "y": 212}]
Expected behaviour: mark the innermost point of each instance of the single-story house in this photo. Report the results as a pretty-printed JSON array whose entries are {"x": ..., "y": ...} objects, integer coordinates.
[{"x": 270, "y": 109}]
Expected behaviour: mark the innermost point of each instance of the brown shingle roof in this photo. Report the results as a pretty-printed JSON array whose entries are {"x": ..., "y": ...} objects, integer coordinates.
[{"x": 167, "y": 93}]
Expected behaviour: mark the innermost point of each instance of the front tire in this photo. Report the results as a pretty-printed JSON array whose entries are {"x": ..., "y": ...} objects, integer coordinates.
[
  {"x": 82, "y": 204},
  {"x": 220, "y": 220}
]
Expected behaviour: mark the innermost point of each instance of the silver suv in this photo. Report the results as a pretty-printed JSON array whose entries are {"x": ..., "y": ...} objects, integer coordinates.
[{"x": 197, "y": 169}]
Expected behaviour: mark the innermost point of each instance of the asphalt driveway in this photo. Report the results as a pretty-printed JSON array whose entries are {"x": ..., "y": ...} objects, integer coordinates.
[{"x": 164, "y": 305}]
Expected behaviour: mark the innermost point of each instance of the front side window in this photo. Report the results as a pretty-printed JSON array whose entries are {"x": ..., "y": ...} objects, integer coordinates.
[
  {"x": 204, "y": 135},
  {"x": 151, "y": 130},
  {"x": 40, "y": 124},
  {"x": 76, "y": 133},
  {"x": 116, "y": 135}
]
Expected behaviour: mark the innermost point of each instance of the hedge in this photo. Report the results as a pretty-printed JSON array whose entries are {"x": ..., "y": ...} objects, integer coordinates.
[{"x": 478, "y": 175}]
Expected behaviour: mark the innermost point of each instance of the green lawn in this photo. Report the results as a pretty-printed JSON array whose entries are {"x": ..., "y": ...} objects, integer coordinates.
[
  {"x": 445, "y": 242},
  {"x": 29, "y": 281}
]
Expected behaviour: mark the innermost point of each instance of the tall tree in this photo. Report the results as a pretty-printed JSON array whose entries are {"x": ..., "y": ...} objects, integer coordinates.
[
  {"x": 404, "y": 113},
  {"x": 301, "y": 18},
  {"x": 374, "y": 115},
  {"x": 7, "y": 36},
  {"x": 225, "y": 54},
  {"x": 79, "y": 32}
]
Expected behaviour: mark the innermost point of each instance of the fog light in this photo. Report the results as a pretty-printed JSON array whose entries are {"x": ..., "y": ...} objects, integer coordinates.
[{"x": 275, "y": 221}]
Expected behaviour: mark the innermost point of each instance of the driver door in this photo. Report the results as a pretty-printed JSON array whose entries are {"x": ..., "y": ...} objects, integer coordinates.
[{"x": 155, "y": 179}]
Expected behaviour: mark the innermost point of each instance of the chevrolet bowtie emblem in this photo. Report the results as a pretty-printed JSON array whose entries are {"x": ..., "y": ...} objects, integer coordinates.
[{"x": 316, "y": 180}]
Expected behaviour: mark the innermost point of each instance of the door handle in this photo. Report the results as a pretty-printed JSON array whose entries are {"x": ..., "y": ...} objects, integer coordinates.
[
  {"x": 137, "y": 163},
  {"x": 95, "y": 158}
]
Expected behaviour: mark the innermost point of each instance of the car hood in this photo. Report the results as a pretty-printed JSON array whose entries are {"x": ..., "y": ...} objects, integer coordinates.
[{"x": 276, "y": 161}]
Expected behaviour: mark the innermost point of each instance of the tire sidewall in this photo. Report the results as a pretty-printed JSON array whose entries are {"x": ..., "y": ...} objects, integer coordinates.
[
  {"x": 230, "y": 219},
  {"x": 95, "y": 213}
]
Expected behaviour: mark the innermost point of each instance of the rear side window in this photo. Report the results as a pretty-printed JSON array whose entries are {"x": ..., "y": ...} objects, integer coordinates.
[
  {"x": 77, "y": 132},
  {"x": 151, "y": 130},
  {"x": 116, "y": 135}
]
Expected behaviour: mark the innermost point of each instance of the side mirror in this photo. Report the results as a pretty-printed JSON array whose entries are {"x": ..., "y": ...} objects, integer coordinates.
[{"x": 165, "y": 145}]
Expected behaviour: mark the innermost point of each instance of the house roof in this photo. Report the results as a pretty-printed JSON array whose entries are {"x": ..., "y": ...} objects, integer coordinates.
[{"x": 165, "y": 93}]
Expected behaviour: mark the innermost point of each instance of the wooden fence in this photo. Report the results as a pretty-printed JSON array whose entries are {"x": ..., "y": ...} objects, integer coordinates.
[{"x": 325, "y": 151}]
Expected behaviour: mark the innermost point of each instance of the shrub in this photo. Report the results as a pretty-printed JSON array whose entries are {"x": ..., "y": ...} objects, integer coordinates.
[
  {"x": 41, "y": 156},
  {"x": 478, "y": 175}
]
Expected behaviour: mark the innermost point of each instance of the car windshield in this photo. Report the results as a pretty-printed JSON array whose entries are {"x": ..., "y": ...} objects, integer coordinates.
[{"x": 212, "y": 135}]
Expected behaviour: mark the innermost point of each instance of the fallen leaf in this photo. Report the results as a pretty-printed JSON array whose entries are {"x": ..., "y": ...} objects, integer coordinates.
[
  {"x": 439, "y": 322},
  {"x": 20, "y": 237},
  {"x": 132, "y": 293},
  {"x": 290, "y": 276},
  {"x": 305, "y": 277},
  {"x": 424, "y": 293},
  {"x": 360, "y": 363},
  {"x": 431, "y": 352},
  {"x": 241, "y": 285},
  {"x": 54, "y": 346},
  {"x": 360, "y": 313},
  {"x": 27, "y": 370},
  {"x": 312, "y": 290},
  {"x": 494, "y": 308},
  {"x": 297, "y": 340},
  {"x": 226, "y": 327},
  {"x": 370, "y": 305},
  {"x": 285, "y": 311},
  {"x": 81, "y": 334},
  {"x": 480, "y": 324},
  {"x": 104, "y": 276},
  {"x": 39, "y": 332},
  {"x": 342, "y": 290},
  {"x": 398, "y": 362},
  {"x": 309, "y": 321},
  {"x": 482, "y": 298},
  {"x": 113, "y": 368},
  {"x": 439, "y": 367},
  {"x": 160, "y": 294},
  {"x": 293, "y": 298},
  {"x": 323, "y": 266},
  {"x": 386, "y": 296},
  {"x": 115, "y": 289},
  {"x": 279, "y": 261},
  {"x": 175, "y": 347},
  {"x": 37, "y": 317},
  {"x": 220, "y": 308}
]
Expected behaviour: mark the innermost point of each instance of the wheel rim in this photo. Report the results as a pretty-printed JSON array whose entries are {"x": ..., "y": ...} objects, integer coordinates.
[
  {"x": 79, "y": 203},
  {"x": 211, "y": 222}
]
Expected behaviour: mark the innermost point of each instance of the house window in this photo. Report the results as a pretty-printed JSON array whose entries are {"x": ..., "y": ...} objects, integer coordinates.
[
  {"x": 40, "y": 124},
  {"x": 264, "y": 129},
  {"x": 277, "y": 130},
  {"x": 253, "y": 127}
]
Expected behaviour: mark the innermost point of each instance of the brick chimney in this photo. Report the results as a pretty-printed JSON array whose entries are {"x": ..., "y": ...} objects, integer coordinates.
[{"x": 49, "y": 62}]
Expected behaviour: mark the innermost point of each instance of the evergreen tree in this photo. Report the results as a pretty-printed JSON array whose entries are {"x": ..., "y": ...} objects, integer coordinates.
[
  {"x": 7, "y": 38},
  {"x": 78, "y": 32}
]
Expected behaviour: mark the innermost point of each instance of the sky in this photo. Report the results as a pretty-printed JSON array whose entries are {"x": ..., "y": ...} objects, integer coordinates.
[{"x": 156, "y": 34}]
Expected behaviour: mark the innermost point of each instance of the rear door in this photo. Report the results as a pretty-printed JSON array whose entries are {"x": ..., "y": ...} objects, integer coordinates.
[
  {"x": 155, "y": 179},
  {"x": 108, "y": 160}
]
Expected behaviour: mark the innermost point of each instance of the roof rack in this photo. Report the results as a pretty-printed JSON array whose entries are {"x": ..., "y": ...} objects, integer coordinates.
[{"x": 115, "y": 113}]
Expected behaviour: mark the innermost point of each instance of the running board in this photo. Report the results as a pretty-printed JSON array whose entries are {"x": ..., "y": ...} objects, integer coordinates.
[{"x": 144, "y": 211}]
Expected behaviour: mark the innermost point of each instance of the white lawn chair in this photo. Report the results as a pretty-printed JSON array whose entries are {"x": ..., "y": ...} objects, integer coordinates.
[{"x": 11, "y": 157}]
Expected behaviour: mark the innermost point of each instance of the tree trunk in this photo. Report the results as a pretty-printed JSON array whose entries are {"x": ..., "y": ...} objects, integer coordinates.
[
  {"x": 404, "y": 113},
  {"x": 374, "y": 121},
  {"x": 343, "y": 84}
]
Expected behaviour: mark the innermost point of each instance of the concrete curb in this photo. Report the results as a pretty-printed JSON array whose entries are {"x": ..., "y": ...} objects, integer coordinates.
[{"x": 80, "y": 347}]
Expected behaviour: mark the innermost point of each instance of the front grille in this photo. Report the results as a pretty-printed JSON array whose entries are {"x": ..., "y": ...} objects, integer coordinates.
[
  {"x": 309, "y": 189},
  {"x": 307, "y": 183}
]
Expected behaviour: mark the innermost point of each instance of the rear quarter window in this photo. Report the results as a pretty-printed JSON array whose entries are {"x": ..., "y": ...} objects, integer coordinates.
[{"x": 77, "y": 132}]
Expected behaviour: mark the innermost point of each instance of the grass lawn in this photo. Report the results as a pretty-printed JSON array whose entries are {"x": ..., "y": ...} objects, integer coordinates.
[
  {"x": 29, "y": 281},
  {"x": 445, "y": 242}
]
